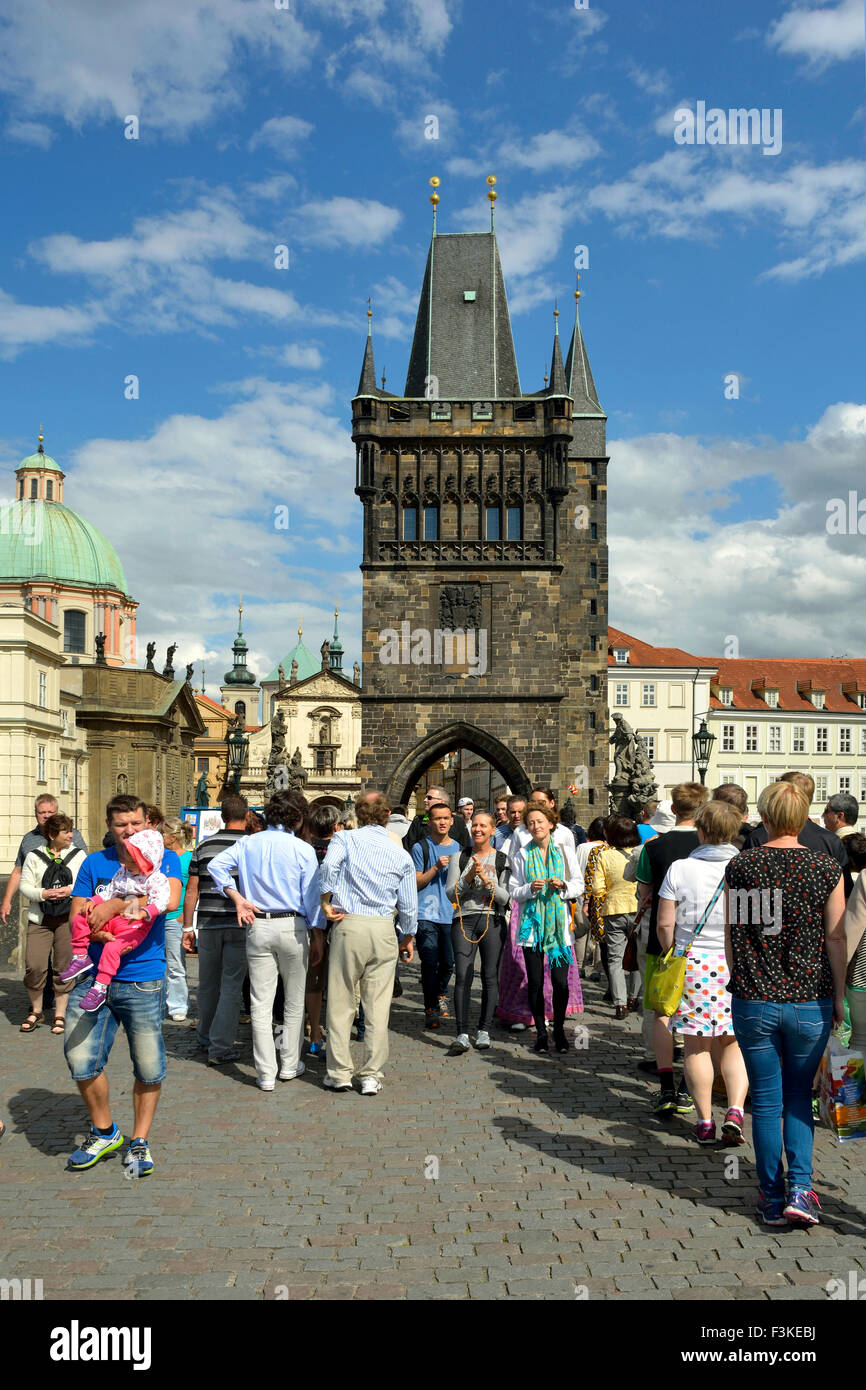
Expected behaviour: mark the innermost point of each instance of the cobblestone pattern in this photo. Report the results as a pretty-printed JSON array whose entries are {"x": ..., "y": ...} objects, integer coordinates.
[{"x": 554, "y": 1181}]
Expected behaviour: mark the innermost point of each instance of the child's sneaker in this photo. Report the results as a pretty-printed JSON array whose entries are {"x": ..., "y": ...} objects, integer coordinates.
[
  {"x": 78, "y": 966},
  {"x": 769, "y": 1210},
  {"x": 802, "y": 1208},
  {"x": 317, "y": 1051},
  {"x": 443, "y": 1006},
  {"x": 705, "y": 1132},
  {"x": 94, "y": 998},
  {"x": 732, "y": 1129},
  {"x": 96, "y": 1147}
]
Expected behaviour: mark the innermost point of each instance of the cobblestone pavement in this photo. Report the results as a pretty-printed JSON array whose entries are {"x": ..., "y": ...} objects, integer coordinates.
[{"x": 554, "y": 1181}]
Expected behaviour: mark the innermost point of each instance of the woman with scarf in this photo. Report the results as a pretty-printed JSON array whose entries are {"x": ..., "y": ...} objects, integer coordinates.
[
  {"x": 543, "y": 875},
  {"x": 704, "y": 1015}
]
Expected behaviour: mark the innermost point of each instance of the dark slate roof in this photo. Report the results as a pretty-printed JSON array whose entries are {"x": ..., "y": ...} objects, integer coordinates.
[
  {"x": 367, "y": 383},
  {"x": 578, "y": 376},
  {"x": 466, "y": 345},
  {"x": 557, "y": 385}
]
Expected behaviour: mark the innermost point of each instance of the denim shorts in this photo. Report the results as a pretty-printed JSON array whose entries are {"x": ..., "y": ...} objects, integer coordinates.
[{"x": 138, "y": 1005}]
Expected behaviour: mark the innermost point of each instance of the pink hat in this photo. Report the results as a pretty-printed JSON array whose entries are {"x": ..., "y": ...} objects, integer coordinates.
[{"x": 145, "y": 848}]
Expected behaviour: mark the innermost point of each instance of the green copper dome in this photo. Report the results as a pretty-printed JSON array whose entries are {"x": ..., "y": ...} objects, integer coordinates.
[
  {"x": 308, "y": 665},
  {"x": 39, "y": 460},
  {"x": 47, "y": 540}
]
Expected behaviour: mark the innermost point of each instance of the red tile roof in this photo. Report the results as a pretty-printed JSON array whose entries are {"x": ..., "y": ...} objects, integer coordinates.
[
  {"x": 780, "y": 673},
  {"x": 642, "y": 654}
]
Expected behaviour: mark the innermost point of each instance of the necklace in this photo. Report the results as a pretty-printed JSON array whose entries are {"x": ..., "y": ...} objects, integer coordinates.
[{"x": 479, "y": 939}]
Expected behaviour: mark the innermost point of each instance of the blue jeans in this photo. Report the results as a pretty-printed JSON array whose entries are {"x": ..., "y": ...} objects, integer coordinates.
[
  {"x": 782, "y": 1045},
  {"x": 437, "y": 959},
  {"x": 176, "y": 992},
  {"x": 138, "y": 1005}
]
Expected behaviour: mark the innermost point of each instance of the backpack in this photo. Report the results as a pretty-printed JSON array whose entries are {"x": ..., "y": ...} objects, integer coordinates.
[{"x": 57, "y": 875}]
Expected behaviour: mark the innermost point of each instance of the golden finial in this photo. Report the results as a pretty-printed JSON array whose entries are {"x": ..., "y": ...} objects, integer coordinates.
[
  {"x": 369, "y": 318},
  {"x": 41, "y": 438},
  {"x": 577, "y": 291},
  {"x": 300, "y": 628},
  {"x": 545, "y": 374},
  {"x": 434, "y": 198},
  {"x": 383, "y": 378},
  {"x": 491, "y": 195}
]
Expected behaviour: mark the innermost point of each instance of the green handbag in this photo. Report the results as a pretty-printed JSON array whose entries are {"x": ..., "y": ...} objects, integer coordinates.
[{"x": 669, "y": 977}]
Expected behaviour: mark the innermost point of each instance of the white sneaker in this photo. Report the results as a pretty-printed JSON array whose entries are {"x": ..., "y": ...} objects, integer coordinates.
[
  {"x": 370, "y": 1086},
  {"x": 265, "y": 1085},
  {"x": 331, "y": 1085},
  {"x": 178, "y": 1018},
  {"x": 290, "y": 1073},
  {"x": 461, "y": 1043},
  {"x": 482, "y": 1038},
  {"x": 518, "y": 1027}
]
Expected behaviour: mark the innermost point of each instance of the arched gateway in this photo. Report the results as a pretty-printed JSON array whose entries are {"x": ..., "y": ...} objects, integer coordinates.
[{"x": 485, "y": 556}]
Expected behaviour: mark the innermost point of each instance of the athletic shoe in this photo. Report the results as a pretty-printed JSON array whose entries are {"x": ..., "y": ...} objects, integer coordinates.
[
  {"x": 178, "y": 1018},
  {"x": 78, "y": 966},
  {"x": 137, "y": 1159},
  {"x": 460, "y": 1044},
  {"x": 265, "y": 1085},
  {"x": 289, "y": 1073},
  {"x": 816, "y": 1108},
  {"x": 223, "y": 1061},
  {"x": 482, "y": 1038},
  {"x": 370, "y": 1086},
  {"x": 431, "y": 1018},
  {"x": 317, "y": 1052},
  {"x": 665, "y": 1103},
  {"x": 802, "y": 1207},
  {"x": 94, "y": 998},
  {"x": 769, "y": 1210},
  {"x": 518, "y": 1027},
  {"x": 95, "y": 1148},
  {"x": 732, "y": 1129},
  {"x": 705, "y": 1132},
  {"x": 684, "y": 1103},
  {"x": 331, "y": 1085},
  {"x": 443, "y": 1006}
]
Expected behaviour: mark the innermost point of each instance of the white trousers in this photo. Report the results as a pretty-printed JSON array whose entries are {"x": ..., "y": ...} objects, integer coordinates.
[{"x": 280, "y": 947}]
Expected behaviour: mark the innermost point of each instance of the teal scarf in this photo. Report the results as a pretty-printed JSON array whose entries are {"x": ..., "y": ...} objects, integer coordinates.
[{"x": 544, "y": 915}]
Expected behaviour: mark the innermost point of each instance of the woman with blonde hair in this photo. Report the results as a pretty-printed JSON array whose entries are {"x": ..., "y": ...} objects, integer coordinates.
[
  {"x": 692, "y": 918},
  {"x": 178, "y": 835},
  {"x": 786, "y": 951}
]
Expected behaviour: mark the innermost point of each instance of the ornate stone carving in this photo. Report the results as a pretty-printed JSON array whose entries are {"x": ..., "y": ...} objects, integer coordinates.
[{"x": 459, "y": 606}]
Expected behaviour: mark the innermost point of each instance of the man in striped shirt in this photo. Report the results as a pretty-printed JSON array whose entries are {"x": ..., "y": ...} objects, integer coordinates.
[{"x": 364, "y": 879}]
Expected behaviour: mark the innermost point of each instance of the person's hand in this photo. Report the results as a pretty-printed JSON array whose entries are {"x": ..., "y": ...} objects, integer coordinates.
[
  {"x": 443, "y": 861},
  {"x": 102, "y": 936},
  {"x": 537, "y": 884},
  {"x": 188, "y": 941},
  {"x": 317, "y": 946},
  {"x": 332, "y": 913},
  {"x": 126, "y": 950},
  {"x": 4, "y": 912},
  {"x": 246, "y": 911},
  {"x": 407, "y": 949},
  {"x": 98, "y": 914},
  {"x": 838, "y": 1010},
  {"x": 556, "y": 883}
]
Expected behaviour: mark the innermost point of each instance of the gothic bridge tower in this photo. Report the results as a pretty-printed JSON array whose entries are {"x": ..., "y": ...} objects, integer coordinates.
[{"x": 485, "y": 547}]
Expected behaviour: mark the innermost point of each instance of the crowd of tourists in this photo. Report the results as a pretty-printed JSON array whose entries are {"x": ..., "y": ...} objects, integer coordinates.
[{"x": 741, "y": 945}]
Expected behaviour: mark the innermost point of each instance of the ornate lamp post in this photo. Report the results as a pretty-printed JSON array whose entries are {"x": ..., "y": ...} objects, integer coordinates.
[
  {"x": 349, "y": 806},
  {"x": 238, "y": 749},
  {"x": 702, "y": 746}
]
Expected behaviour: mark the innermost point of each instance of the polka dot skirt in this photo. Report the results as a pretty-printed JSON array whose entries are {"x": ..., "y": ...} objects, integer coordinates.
[{"x": 705, "y": 1010}]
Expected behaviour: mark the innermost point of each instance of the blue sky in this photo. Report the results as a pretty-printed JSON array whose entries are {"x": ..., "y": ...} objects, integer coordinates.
[{"x": 305, "y": 127}]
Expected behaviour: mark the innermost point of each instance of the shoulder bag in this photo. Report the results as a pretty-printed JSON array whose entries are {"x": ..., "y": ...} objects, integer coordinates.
[{"x": 669, "y": 978}]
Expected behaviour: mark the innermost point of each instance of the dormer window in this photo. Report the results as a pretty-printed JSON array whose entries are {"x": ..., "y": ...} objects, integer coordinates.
[
  {"x": 726, "y": 695},
  {"x": 440, "y": 410},
  {"x": 818, "y": 699},
  {"x": 620, "y": 656},
  {"x": 482, "y": 410},
  {"x": 861, "y": 700},
  {"x": 772, "y": 698}
]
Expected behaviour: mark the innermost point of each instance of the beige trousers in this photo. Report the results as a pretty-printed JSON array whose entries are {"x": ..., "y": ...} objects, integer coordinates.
[{"x": 362, "y": 951}]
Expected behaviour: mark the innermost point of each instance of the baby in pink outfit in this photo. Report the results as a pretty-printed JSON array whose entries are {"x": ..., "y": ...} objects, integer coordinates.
[{"x": 146, "y": 892}]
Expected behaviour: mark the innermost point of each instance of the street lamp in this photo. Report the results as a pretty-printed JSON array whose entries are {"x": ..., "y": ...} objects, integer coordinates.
[
  {"x": 349, "y": 807},
  {"x": 238, "y": 748},
  {"x": 702, "y": 745}
]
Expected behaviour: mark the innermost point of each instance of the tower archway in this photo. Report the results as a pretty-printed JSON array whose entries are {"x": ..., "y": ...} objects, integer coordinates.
[{"x": 460, "y": 734}]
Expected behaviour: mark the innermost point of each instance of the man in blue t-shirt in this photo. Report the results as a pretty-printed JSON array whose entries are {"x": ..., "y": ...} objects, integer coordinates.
[
  {"x": 136, "y": 999},
  {"x": 431, "y": 856}
]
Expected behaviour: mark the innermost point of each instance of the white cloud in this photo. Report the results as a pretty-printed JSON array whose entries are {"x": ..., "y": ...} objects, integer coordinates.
[
  {"x": 306, "y": 357},
  {"x": 349, "y": 222},
  {"x": 174, "y": 65},
  {"x": 779, "y": 584},
  {"x": 30, "y": 133},
  {"x": 413, "y": 129},
  {"x": 282, "y": 134},
  {"x": 531, "y": 235},
  {"x": 32, "y": 325},
  {"x": 654, "y": 83},
  {"x": 552, "y": 149},
  {"x": 824, "y": 35}
]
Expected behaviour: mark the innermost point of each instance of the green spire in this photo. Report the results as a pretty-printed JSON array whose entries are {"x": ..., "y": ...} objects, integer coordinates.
[
  {"x": 239, "y": 675},
  {"x": 336, "y": 649}
]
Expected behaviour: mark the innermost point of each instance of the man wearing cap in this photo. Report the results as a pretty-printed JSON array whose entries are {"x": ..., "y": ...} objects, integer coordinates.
[{"x": 466, "y": 807}]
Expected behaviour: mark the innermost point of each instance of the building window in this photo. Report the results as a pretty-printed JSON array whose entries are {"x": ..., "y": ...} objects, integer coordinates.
[
  {"x": 593, "y": 531},
  {"x": 863, "y": 788},
  {"x": 845, "y": 740},
  {"x": 620, "y": 656},
  {"x": 593, "y": 647},
  {"x": 726, "y": 695},
  {"x": 203, "y": 765},
  {"x": 818, "y": 699},
  {"x": 621, "y": 693},
  {"x": 863, "y": 741},
  {"x": 593, "y": 608},
  {"x": 524, "y": 412},
  {"x": 34, "y": 488},
  {"x": 822, "y": 739},
  {"x": 43, "y": 690},
  {"x": 593, "y": 570},
  {"x": 64, "y": 722},
  {"x": 751, "y": 738},
  {"x": 861, "y": 700},
  {"x": 440, "y": 410},
  {"x": 49, "y": 490},
  {"x": 772, "y": 698},
  {"x": 774, "y": 739},
  {"x": 650, "y": 741},
  {"x": 40, "y": 762},
  {"x": 591, "y": 756},
  {"x": 820, "y": 788},
  {"x": 431, "y": 523},
  {"x": 728, "y": 779},
  {"x": 592, "y": 720},
  {"x": 398, "y": 413},
  {"x": 410, "y": 523},
  {"x": 798, "y": 738},
  {"x": 593, "y": 682},
  {"x": 491, "y": 524},
  {"x": 593, "y": 492},
  {"x": 647, "y": 694},
  {"x": 514, "y": 524},
  {"x": 64, "y": 777},
  {"x": 482, "y": 410},
  {"x": 845, "y": 784},
  {"x": 590, "y": 796},
  {"x": 74, "y": 629},
  {"x": 728, "y": 738}
]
